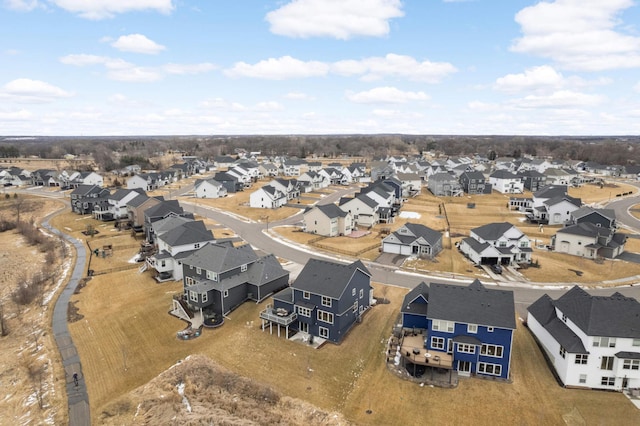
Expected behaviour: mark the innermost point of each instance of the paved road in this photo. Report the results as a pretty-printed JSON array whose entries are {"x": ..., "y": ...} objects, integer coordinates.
[{"x": 77, "y": 396}]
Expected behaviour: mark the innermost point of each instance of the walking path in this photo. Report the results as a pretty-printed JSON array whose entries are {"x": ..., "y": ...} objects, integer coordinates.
[{"x": 77, "y": 396}]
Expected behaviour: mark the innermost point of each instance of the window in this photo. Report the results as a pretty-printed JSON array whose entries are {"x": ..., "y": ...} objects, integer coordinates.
[
  {"x": 306, "y": 295},
  {"x": 198, "y": 271},
  {"x": 472, "y": 328},
  {"x": 326, "y": 301},
  {"x": 325, "y": 316},
  {"x": 636, "y": 342},
  {"x": 607, "y": 363},
  {"x": 323, "y": 332},
  {"x": 226, "y": 293},
  {"x": 583, "y": 378},
  {"x": 467, "y": 349},
  {"x": 604, "y": 342},
  {"x": 491, "y": 350},
  {"x": 486, "y": 368},
  {"x": 355, "y": 306},
  {"x": 205, "y": 297},
  {"x": 437, "y": 343},
  {"x": 563, "y": 352},
  {"x": 631, "y": 364},
  {"x": 304, "y": 312},
  {"x": 212, "y": 276},
  {"x": 193, "y": 296},
  {"x": 442, "y": 325},
  {"x": 189, "y": 281},
  {"x": 243, "y": 268},
  {"x": 564, "y": 318},
  {"x": 353, "y": 292},
  {"x": 490, "y": 329},
  {"x": 196, "y": 245},
  {"x": 361, "y": 293},
  {"x": 582, "y": 358},
  {"x": 608, "y": 381}
]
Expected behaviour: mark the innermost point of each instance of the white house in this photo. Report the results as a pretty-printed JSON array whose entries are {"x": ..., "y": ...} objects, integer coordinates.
[
  {"x": 209, "y": 188},
  {"x": 591, "y": 341},
  {"x": 506, "y": 182},
  {"x": 497, "y": 243},
  {"x": 364, "y": 210},
  {"x": 589, "y": 240},
  {"x": 413, "y": 239},
  {"x": 328, "y": 220},
  {"x": 267, "y": 197},
  {"x": 315, "y": 180}
]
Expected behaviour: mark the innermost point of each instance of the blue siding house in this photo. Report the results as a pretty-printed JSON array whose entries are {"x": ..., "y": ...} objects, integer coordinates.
[
  {"x": 466, "y": 329},
  {"x": 324, "y": 301}
]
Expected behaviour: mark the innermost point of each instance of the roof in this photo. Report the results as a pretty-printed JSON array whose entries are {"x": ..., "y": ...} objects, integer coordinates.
[
  {"x": 187, "y": 233},
  {"x": 492, "y": 231},
  {"x": 221, "y": 258},
  {"x": 557, "y": 200},
  {"x": 442, "y": 177},
  {"x": 474, "y": 175},
  {"x": 551, "y": 191},
  {"x": 612, "y": 316},
  {"x": 265, "y": 270},
  {"x": 587, "y": 210},
  {"x": 419, "y": 231},
  {"x": 331, "y": 210},
  {"x": 474, "y": 304},
  {"x": 327, "y": 278},
  {"x": 163, "y": 208},
  {"x": 544, "y": 312},
  {"x": 503, "y": 174},
  {"x": 585, "y": 229},
  {"x": 411, "y": 303}
]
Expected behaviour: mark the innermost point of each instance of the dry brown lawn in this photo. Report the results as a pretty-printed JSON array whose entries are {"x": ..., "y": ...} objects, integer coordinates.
[
  {"x": 126, "y": 338},
  {"x": 238, "y": 204}
]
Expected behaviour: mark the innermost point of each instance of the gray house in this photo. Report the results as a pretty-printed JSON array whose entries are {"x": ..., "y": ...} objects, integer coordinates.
[
  {"x": 219, "y": 277},
  {"x": 474, "y": 183},
  {"x": 413, "y": 239},
  {"x": 444, "y": 185}
]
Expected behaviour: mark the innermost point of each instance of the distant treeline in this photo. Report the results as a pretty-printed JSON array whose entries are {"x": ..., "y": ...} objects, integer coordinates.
[{"x": 113, "y": 152}]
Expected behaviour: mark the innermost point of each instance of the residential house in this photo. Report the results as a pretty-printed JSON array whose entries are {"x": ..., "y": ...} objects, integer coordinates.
[
  {"x": 85, "y": 178},
  {"x": 328, "y": 220},
  {"x": 160, "y": 211},
  {"x": 144, "y": 181},
  {"x": 506, "y": 182},
  {"x": 267, "y": 197},
  {"x": 588, "y": 240},
  {"x": 474, "y": 183},
  {"x": 231, "y": 183},
  {"x": 465, "y": 329},
  {"x": 209, "y": 188},
  {"x": 85, "y": 197},
  {"x": 326, "y": 300},
  {"x": 497, "y": 243},
  {"x": 411, "y": 184},
  {"x": 314, "y": 179},
  {"x": 605, "y": 218},
  {"x": 136, "y": 207},
  {"x": 334, "y": 176},
  {"x": 218, "y": 278},
  {"x": 242, "y": 175},
  {"x": 293, "y": 167},
  {"x": 116, "y": 204},
  {"x": 363, "y": 209},
  {"x": 224, "y": 162},
  {"x": 444, "y": 184},
  {"x": 268, "y": 169},
  {"x": 590, "y": 341},
  {"x": 413, "y": 239},
  {"x": 176, "y": 244},
  {"x": 314, "y": 166},
  {"x": 532, "y": 180},
  {"x": 289, "y": 187},
  {"x": 552, "y": 205},
  {"x": 557, "y": 176}
]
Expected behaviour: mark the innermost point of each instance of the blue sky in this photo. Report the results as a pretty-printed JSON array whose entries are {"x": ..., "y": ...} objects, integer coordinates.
[{"x": 152, "y": 67}]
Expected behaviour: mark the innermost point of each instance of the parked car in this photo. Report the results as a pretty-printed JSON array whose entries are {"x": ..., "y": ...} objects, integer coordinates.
[{"x": 496, "y": 268}]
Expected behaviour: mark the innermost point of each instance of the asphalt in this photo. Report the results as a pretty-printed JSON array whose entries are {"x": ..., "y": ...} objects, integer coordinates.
[{"x": 77, "y": 396}]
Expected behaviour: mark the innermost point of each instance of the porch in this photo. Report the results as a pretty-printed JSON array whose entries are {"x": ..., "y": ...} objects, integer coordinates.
[{"x": 280, "y": 317}]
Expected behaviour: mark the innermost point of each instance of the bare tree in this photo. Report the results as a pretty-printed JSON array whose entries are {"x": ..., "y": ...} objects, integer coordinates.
[{"x": 3, "y": 324}]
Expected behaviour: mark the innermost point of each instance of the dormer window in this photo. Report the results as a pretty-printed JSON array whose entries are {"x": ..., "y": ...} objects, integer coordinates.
[{"x": 243, "y": 268}]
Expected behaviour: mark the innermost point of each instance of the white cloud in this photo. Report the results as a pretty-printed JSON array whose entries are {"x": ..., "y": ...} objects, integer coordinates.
[
  {"x": 559, "y": 99},
  {"x": 25, "y": 90},
  {"x": 22, "y": 5},
  {"x": 189, "y": 68},
  {"x": 386, "y": 112},
  {"x": 532, "y": 79},
  {"x": 637, "y": 87},
  {"x": 299, "y": 96},
  {"x": 388, "y": 95},
  {"x": 220, "y": 103},
  {"x": 134, "y": 74},
  {"x": 268, "y": 106},
  {"x": 137, "y": 43},
  {"x": 578, "y": 34},
  {"x": 281, "y": 68},
  {"x": 20, "y": 115},
  {"x": 375, "y": 68},
  {"x": 482, "y": 106},
  {"x": 341, "y": 19},
  {"x": 101, "y": 9}
]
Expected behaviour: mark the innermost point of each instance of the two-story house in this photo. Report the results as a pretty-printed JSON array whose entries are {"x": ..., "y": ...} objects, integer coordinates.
[
  {"x": 209, "y": 188},
  {"x": 465, "y": 329},
  {"x": 497, "y": 243},
  {"x": 444, "y": 184},
  {"x": 590, "y": 341},
  {"x": 85, "y": 197},
  {"x": 506, "y": 182},
  {"x": 473, "y": 183},
  {"x": 328, "y": 220},
  {"x": 588, "y": 240},
  {"x": 325, "y": 301},
  {"x": 267, "y": 197},
  {"x": 413, "y": 239}
]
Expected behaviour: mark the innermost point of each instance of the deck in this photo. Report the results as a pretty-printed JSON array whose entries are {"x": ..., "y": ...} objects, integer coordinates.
[{"x": 412, "y": 350}]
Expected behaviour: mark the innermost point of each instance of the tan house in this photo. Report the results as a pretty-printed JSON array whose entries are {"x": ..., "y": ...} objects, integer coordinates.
[{"x": 328, "y": 220}]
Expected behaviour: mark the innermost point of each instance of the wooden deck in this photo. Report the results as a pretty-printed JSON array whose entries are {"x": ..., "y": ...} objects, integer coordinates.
[{"x": 412, "y": 350}]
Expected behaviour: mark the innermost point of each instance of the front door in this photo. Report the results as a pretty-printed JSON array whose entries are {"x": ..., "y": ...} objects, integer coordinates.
[
  {"x": 303, "y": 326},
  {"x": 464, "y": 368}
]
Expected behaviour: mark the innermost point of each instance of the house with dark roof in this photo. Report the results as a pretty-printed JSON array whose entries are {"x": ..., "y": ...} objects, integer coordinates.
[
  {"x": 162, "y": 210},
  {"x": 136, "y": 207},
  {"x": 85, "y": 197},
  {"x": 497, "y": 243},
  {"x": 474, "y": 183},
  {"x": 175, "y": 244},
  {"x": 325, "y": 301},
  {"x": 413, "y": 239},
  {"x": 230, "y": 182},
  {"x": 590, "y": 341},
  {"x": 115, "y": 207},
  {"x": 464, "y": 329},
  {"x": 533, "y": 180},
  {"x": 209, "y": 188},
  {"x": 444, "y": 184},
  {"x": 605, "y": 218},
  {"x": 328, "y": 220},
  {"x": 267, "y": 197},
  {"x": 588, "y": 240},
  {"x": 363, "y": 210},
  {"x": 506, "y": 182},
  {"x": 552, "y": 205},
  {"x": 218, "y": 278}
]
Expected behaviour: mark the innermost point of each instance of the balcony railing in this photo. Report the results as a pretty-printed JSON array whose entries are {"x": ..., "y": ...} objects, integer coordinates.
[{"x": 279, "y": 316}]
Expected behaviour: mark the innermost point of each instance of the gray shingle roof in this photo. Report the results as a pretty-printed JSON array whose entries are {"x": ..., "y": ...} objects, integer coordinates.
[
  {"x": 473, "y": 304},
  {"x": 331, "y": 210},
  {"x": 327, "y": 278},
  {"x": 492, "y": 231},
  {"x": 187, "y": 233},
  {"x": 221, "y": 258},
  {"x": 544, "y": 312},
  {"x": 411, "y": 305}
]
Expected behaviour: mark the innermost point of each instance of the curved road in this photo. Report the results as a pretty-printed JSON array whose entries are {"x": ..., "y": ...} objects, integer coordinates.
[{"x": 77, "y": 396}]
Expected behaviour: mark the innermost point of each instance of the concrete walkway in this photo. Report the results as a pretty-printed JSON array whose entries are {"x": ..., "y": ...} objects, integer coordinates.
[{"x": 77, "y": 396}]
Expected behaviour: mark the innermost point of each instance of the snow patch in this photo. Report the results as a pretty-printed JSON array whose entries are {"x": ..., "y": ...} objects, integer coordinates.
[
  {"x": 185, "y": 401},
  {"x": 410, "y": 215}
]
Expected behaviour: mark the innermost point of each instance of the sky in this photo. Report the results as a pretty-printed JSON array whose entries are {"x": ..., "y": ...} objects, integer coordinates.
[{"x": 203, "y": 67}]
